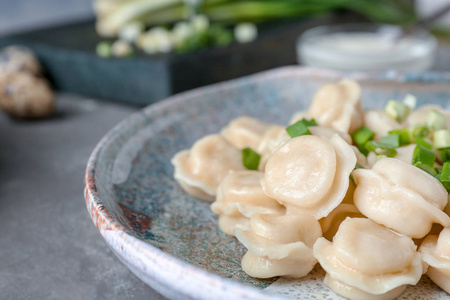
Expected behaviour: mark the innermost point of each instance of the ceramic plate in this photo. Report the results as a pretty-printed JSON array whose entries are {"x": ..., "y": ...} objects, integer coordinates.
[{"x": 170, "y": 240}]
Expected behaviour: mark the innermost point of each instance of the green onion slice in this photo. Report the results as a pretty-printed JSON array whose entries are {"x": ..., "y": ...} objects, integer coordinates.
[
  {"x": 300, "y": 128},
  {"x": 441, "y": 138},
  {"x": 426, "y": 168},
  {"x": 445, "y": 176},
  {"x": 397, "y": 110},
  {"x": 445, "y": 155},
  {"x": 404, "y": 136},
  {"x": 392, "y": 140},
  {"x": 424, "y": 156},
  {"x": 361, "y": 137},
  {"x": 423, "y": 142},
  {"x": 250, "y": 159},
  {"x": 420, "y": 130},
  {"x": 381, "y": 148},
  {"x": 436, "y": 120}
]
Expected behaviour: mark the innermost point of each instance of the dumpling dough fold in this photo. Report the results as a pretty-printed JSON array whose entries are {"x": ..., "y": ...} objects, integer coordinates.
[
  {"x": 279, "y": 245},
  {"x": 240, "y": 196},
  {"x": 436, "y": 254},
  {"x": 201, "y": 169},
  {"x": 368, "y": 261}
]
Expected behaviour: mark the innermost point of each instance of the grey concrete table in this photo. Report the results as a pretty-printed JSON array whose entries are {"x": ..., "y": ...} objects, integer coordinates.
[{"x": 49, "y": 247}]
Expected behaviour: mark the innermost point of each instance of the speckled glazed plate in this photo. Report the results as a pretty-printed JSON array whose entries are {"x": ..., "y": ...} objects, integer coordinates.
[{"x": 170, "y": 240}]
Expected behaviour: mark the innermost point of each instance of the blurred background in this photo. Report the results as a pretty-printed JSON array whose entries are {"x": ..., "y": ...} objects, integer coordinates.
[{"x": 166, "y": 47}]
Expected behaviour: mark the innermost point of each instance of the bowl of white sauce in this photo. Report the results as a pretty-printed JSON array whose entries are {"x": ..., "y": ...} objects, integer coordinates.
[{"x": 366, "y": 47}]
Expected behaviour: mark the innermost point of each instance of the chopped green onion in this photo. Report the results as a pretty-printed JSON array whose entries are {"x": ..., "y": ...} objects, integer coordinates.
[
  {"x": 381, "y": 148},
  {"x": 423, "y": 142},
  {"x": 424, "y": 156},
  {"x": 425, "y": 168},
  {"x": 441, "y": 138},
  {"x": 445, "y": 176},
  {"x": 420, "y": 130},
  {"x": 410, "y": 101},
  {"x": 445, "y": 155},
  {"x": 436, "y": 120},
  {"x": 250, "y": 159},
  {"x": 361, "y": 137},
  {"x": 403, "y": 134},
  {"x": 397, "y": 110},
  {"x": 300, "y": 128},
  {"x": 104, "y": 49},
  {"x": 438, "y": 169},
  {"x": 308, "y": 123},
  {"x": 392, "y": 140}
]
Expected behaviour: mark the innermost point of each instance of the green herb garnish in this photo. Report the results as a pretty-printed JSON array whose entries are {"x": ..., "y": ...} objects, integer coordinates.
[
  {"x": 404, "y": 136},
  {"x": 441, "y": 139},
  {"x": 250, "y": 159},
  {"x": 300, "y": 128},
  {"x": 361, "y": 137},
  {"x": 424, "y": 156}
]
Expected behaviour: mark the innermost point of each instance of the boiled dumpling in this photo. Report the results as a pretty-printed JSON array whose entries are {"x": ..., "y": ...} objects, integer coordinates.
[
  {"x": 436, "y": 254},
  {"x": 201, "y": 169},
  {"x": 368, "y": 261},
  {"x": 245, "y": 132},
  {"x": 338, "y": 106},
  {"x": 380, "y": 123},
  {"x": 239, "y": 197},
  {"x": 401, "y": 197},
  {"x": 279, "y": 245},
  {"x": 309, "y": 174}
]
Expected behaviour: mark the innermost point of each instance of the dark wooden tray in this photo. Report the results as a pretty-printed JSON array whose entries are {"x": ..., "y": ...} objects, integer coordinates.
[{"x": 68, "y": 56}]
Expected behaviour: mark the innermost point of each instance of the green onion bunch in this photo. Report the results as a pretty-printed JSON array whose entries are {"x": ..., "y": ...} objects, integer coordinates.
[{"x": 133, "y": 21}]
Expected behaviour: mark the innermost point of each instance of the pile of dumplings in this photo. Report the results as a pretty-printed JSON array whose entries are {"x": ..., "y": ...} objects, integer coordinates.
[{"x": 307, "y": 203}]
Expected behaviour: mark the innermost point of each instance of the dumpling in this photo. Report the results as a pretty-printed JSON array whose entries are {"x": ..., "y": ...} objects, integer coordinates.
[
  {"x": 347, "y": 208},
  {"x": 201, "y": 169},
  {"x": 436, "y": 254},
  {"x": 380, "y": 123},
  {"x": 401, "y": 197},
  {"x": 279, "y": 245},
  {"x": 338, "y": 106},
  {"x": 368, "y": 261},
  {"x": 245, "y": 132},
  {"x": 239, "y": 197},
  {"x": 309, "y": 174}
]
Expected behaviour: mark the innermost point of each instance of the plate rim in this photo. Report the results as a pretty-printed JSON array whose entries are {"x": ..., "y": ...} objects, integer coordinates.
[{"x": 134, "y": 252}]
